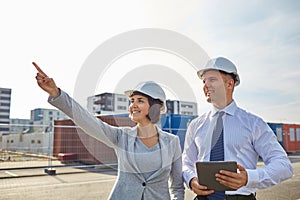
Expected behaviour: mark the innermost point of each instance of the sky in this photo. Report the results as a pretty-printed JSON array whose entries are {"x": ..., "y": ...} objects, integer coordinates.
[{"x": 261, "y": 37}]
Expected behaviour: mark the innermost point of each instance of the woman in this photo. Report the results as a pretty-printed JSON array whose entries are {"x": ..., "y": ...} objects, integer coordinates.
[{"x": 147, "y": 156}]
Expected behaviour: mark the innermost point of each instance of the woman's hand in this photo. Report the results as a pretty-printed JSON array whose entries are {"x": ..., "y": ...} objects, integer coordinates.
[{"x": 46, "y": 83}]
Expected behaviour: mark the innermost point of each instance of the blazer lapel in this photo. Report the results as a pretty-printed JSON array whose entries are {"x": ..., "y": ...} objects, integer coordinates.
[
  {"x": 132, "y": 135},
  {"x": 164, "y": 141}
]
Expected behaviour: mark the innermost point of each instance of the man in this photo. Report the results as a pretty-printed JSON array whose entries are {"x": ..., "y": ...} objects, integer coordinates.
[{"x": 245, "y": 137}]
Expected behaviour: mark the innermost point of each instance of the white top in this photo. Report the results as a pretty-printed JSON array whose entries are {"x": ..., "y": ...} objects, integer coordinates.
[{"x": 143, "y": 155}]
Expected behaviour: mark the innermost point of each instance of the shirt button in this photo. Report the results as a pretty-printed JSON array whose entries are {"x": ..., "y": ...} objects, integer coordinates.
[{"x": 144, "y": 184}]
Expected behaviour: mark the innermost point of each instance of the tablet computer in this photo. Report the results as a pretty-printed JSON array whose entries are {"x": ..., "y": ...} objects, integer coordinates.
[{"x": 206, "y": 172}]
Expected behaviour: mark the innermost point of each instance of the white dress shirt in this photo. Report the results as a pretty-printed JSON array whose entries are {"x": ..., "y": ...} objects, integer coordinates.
[{"x": 246, "y": 138}]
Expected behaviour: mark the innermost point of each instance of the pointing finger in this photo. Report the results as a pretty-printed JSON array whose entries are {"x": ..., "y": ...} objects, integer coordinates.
[{"x": 39, "y": 69}]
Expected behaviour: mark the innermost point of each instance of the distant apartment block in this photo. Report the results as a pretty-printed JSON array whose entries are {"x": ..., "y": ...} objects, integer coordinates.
[
  {"x": 108, "y": 103},
  {"x": 43, "y": 119},
  {"x": 182, "y": 107},
  {"x": 21, "y": 125},
  {"x": 5, "y": 97}
]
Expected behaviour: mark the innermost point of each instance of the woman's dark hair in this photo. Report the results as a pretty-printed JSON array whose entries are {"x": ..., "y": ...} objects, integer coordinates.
[{"x": 155, "y": 106}]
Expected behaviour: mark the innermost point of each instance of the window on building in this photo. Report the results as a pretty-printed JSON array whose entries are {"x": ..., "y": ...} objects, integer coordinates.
[
  {"x": 4, "y": 129},
  {"x": 21, "y": 138},
  {"x": 4, "y": 104},
  {"x": 109, "y": 107},
  {"x": 186, "y": 113},
  {"x": 121, "y": 108},
  {"x": 186, "y": 106},
  {"x": 298, "y": 134},
  {"x": 121, "y": 99},
  {"x": 32, "y": 141},
  {"x": 4, "y": 116},
  {"x": 5, "y": 92},
  {"x": 279, "y": 134},
  {"x": 292, "y": 134},
  {"x": 4, "y": 98}
]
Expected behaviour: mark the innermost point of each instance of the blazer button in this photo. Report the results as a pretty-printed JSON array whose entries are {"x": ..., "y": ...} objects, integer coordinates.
[{"x": 144, "y": 184}]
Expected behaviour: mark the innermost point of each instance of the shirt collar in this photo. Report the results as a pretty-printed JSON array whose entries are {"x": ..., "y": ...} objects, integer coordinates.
[{"x": 230, "y": 109}]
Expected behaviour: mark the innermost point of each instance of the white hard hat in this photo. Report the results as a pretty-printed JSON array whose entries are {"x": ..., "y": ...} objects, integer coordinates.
[
  {"x": 151, "y": 89},
  {"x": 222, "y": 64}
]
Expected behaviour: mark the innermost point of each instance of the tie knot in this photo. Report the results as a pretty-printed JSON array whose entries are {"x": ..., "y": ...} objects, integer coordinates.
[{"x": 221, "y": 113}]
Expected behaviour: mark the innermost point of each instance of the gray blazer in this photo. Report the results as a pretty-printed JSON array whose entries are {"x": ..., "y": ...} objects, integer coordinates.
[{"x": 130, "y": 183}]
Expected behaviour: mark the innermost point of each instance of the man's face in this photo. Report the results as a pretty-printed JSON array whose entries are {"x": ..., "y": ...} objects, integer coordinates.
[{"x": 215, "y": 87}]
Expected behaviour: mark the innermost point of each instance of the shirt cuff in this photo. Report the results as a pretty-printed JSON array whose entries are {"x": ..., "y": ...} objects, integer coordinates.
[
  {"x": 253, "y": 178},
  {"x": 188, "y": 178},
  {"x": 50, "y": 99}
]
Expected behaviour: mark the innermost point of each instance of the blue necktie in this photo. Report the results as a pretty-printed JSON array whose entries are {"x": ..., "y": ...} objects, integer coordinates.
[{"x": 217, "y": 151}]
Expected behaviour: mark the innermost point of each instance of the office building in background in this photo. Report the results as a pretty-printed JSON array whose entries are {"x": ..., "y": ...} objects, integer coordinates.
[
  {"x": 108, "y": 103},
  {"x": 43, "y": 119},
  {"x": 21, "y": 125},
  {"x": 182, "y": 107},
  {"x": 5, "y": 101}
]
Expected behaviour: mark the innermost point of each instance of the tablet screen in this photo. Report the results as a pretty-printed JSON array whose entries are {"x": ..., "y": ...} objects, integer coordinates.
[{"x": 206, "y": 172}]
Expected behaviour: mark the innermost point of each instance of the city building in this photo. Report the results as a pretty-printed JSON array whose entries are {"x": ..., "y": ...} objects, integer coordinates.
[
  {"x": 108, "y": 103},
  {"x": 38, "y": 143},
  {"x": 21, "y": 125},
  {"x": 182, "y": 107},
  {"x": 43, "y": 119},
  {"x": 5, "y": 98}
]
